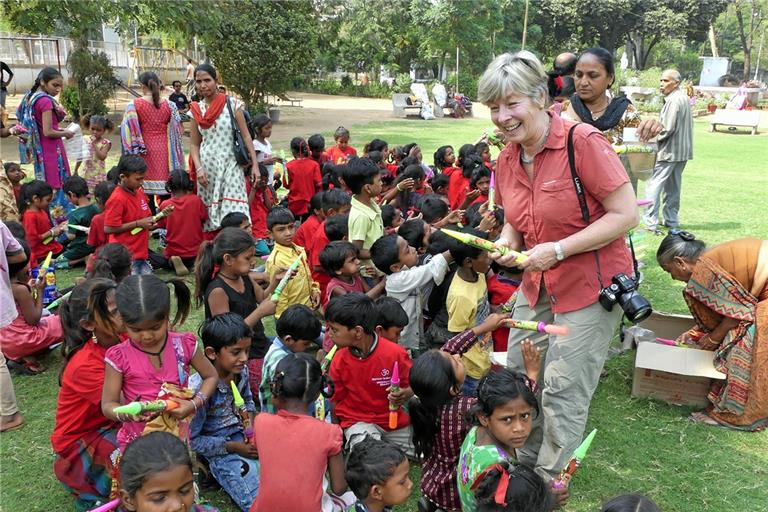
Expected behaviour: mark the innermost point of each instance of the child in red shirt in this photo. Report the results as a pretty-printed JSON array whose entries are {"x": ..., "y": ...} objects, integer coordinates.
[
  {"x": 35, "y": 197},
  {"x": 362, "y": 373},
  {"x": 481, "y": 181},
  {"x": 336, "y": 203},
  {"x": 184, "y": 226},
  {"x": 459, "y": 194},
  {"x": 340, "y": 153},
  {"x": 83, "y": 439},
  {"x": 317, "y": 149},
  {"x": 261, "y": 199},
  {"x": 308, "y": 228},
  {"x": 444, "y": 159},
  {"x": 501, "y": 286},
  {"x": 128, "y": 209},
  {"x": 96, "y": 235},
  {"x": 304, "y": 179}
]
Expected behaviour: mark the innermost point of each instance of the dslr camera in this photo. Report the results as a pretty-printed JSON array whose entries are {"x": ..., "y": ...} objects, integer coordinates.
[{"x": 623, "y": 291}]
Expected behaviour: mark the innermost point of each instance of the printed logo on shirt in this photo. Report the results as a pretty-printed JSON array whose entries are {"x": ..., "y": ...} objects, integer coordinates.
[
  {"x": 144, "y": 205},
  {"x": 384, "y": 381}
]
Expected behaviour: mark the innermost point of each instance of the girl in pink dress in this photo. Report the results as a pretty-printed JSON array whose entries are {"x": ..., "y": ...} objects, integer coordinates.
[
  {"x": 153, "y": 362},
  {"x": 152, "y": 128},
  {"x": 31, "y": 331}
]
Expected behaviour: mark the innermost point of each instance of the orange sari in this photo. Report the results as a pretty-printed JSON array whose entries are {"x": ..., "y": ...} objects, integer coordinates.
[{"x": 731, "y": 280}]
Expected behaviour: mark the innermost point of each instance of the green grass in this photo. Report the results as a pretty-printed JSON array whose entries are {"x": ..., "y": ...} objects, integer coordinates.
[{"x": 642, "y": 446}]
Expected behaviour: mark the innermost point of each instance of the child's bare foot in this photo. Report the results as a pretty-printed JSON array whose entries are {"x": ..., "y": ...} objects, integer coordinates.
[
  {"x": 531, "y": 359},
  {"x": 12, "y": 422}
]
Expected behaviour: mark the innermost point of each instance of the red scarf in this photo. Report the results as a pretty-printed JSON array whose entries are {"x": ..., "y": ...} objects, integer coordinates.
[{"x": 211, "y": 114}]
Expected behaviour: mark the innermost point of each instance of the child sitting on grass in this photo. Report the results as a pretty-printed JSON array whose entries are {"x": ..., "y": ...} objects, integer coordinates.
[
  {"x": 407, "y": 282},
  {"x": 33, "y": 204},
  {"x": 361, "y": 373},
  {"x": 184, "y": 226},
  {"x": 297, "y": 330},
  {"x": 10, "y": 189},
  {"x": 301, "y": 289},
  {"x": 77, "y": 250},
  {"x": 308, "y": 229},
  {"x": 84, "y": 439},
  {"x": 293, "y": 469},
  {"x": 217, "y": 430},
  {"x": 33, "y": 330},
  {"x": 335, "y": 203},
  {"x": 339, "y": 260},
  {"x": 157, "y": 468},
  {"x": 377, "y": 472},
  {"x": 96, "y": 235},
  {"x": 342, "y": 151}
]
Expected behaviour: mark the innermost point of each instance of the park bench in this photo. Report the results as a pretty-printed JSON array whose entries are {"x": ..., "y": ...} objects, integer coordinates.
[
  {"x": 295, "y": 102},
  {"x": 747, "y": 118},
  {"x": 401, "y": 108}
]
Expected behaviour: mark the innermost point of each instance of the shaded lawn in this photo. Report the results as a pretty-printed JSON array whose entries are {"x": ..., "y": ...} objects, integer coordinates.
[{"x": 642, "y": 446}]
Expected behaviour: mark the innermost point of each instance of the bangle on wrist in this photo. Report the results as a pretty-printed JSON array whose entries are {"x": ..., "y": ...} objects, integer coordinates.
[{"x": 398, "y": 188}]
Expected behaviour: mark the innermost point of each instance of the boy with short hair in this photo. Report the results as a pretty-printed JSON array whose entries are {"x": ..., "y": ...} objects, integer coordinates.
[
  {"x": 361, "y": 372},
  {"x": 391, "y": 318},
  {"x": 335, "y": 202},
  {"x": 467, "y": 304},
  {"x": 297, "y": 329},
  {"x": 217, "y": 431},
  {"x": 10, "y": 187},
  {"x": 300, "y": 289},
  {"x": 377, "y": 472},
  {"x": 365, "y": 223},
  {"x": 408, "y": 283},
  {"x": 77, "y": 250}
]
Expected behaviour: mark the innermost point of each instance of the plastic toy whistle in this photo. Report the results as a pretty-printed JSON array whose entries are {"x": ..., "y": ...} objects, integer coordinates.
[
  {"x": 244, "y": 417},
  {"x": 284, "y": 281},
  {"x": 160, "y": 215},
  {"x": 492, "y": 193},
  {"x": 137, "y": 408},
  {"x": 526, "y": 325},
  {"x": 578, "y": 457}
]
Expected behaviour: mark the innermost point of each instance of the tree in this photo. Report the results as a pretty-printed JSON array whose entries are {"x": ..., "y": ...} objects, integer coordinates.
[
  {"x": 258, "y": 47},
  {"x": 756, "y": 12}
]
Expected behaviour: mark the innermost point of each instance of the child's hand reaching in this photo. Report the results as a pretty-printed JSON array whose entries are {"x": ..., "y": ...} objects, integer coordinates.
[
  {"x": 531, "y": 359},
  {"x": 314, "y": 299},
  {"x": 185, "y": 408},
  {"x": 491, "y": 323}
]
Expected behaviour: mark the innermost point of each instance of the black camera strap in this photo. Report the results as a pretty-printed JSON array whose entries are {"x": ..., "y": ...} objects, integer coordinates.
[{"x": 579, "y": 186}]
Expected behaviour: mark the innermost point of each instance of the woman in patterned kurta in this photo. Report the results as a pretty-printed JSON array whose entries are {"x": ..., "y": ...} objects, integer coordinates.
[
  {"x": 152, "y": 129},
  {"x": 221, "y": 181}
]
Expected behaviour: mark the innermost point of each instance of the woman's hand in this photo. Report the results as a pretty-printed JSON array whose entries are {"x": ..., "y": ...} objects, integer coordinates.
[
  {"x": 202, "y": 177},
  {"x": 542, "y": 257},
  {"x": 68, "y": 134},
  {"x": 507, "y": 260},
  {"x": 255, "y": 170},
  {"x": 648, "y": 129}
]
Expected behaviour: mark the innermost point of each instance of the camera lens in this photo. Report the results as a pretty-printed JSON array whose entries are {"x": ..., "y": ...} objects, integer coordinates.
[{"x": 635, "y": 306}]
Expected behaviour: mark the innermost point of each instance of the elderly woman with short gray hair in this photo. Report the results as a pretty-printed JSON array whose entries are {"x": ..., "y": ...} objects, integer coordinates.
[{"x": 574, "y": 243}]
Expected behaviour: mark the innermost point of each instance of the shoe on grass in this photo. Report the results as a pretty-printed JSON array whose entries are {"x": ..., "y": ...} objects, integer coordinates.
[{"x": 178, "y": 266}]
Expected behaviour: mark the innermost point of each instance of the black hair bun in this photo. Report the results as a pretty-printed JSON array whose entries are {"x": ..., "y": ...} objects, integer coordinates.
[{"x": 687, "y": 236}]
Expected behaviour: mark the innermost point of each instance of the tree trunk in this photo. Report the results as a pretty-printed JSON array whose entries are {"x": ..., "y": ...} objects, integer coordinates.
[
  {"x": 713, "y": 40},
  {"x": 745, "y": 36}
]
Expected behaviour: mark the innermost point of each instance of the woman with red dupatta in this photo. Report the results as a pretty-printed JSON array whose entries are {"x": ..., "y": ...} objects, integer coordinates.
[
  {"x": 220, "y": 180},
  {"x": 727, "y": 294}
]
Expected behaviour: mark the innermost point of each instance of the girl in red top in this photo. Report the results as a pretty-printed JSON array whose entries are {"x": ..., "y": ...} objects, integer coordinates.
[
  {"x": 444, "y": 159},
  {"x": 459, "y": 194},
  {"x": 308, "y": 228},
  {"x": 340, "y": 153},
  {"x": 128, "y": 209},
  {"x": 261, "y": 199},
  {"x": 339, "y": 260},
  {"x": 33, "y": 205},
  {"x": 292, "y": 469},
  {"x": 480, "y": 181},
  {"x": 303, "y": 179},
  {"x": 484, "y": 150},
  {"x": 97, "y": 238},
  {"x": 184, "y": 227},
  {"x": 83, "y": 439}
]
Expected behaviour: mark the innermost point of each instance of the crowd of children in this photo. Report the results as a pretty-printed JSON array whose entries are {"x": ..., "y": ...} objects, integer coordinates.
[{"x": 384, "y": 333}]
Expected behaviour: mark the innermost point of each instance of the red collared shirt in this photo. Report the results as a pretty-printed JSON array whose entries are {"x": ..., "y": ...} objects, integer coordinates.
[{"x": 546, "y": 209}]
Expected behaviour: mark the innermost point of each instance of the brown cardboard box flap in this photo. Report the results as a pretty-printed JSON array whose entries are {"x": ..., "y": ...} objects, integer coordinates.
[{"x": 678, "y": 360}]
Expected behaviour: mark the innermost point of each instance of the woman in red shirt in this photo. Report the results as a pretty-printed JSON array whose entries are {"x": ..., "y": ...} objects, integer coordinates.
[
  {"x": 83, "y": 439},
  {"x": 571, "y": 256},
  {"x": 35, "y": 197},
  {"x": 303, "y": 179}
]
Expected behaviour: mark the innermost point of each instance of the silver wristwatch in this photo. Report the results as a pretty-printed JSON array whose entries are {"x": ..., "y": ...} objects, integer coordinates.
[{"x": 559, "y": 254}]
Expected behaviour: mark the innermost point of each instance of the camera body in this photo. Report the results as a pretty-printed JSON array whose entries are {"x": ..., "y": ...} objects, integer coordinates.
[{"x": 623, "y": 291}]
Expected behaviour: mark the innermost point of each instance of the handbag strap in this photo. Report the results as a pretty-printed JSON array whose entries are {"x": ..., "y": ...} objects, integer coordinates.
[{"x": 232, "y": 118}]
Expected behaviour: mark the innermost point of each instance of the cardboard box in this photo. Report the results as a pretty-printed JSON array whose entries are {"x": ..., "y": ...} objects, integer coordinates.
[{"x": 676, "y": 375}]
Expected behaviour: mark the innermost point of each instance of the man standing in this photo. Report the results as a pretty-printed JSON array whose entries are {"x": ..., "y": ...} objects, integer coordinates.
[
  {"x": 190, "y": 77},
  {"x": 4, "y": 71},
  {"x": 675, "y": 149},
  {"x": 180, "y": 100}
]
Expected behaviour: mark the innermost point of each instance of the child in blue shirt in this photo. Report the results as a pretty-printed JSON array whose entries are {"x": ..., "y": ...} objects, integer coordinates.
[
  {"x": 297, "y": 329},
  {"x": 218, "y": 431}
]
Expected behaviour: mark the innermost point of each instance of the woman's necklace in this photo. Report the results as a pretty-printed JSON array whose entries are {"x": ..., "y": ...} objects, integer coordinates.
[
  {"x": 525, "y": 159},
  {"x": 597, "y": 113}
]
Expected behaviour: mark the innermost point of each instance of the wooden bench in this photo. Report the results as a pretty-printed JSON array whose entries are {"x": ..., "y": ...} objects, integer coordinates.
[
  {"x": 295, "y": 102},
  {"x": 401, "y": 108},
  {"x": 746, "y": 118}
]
